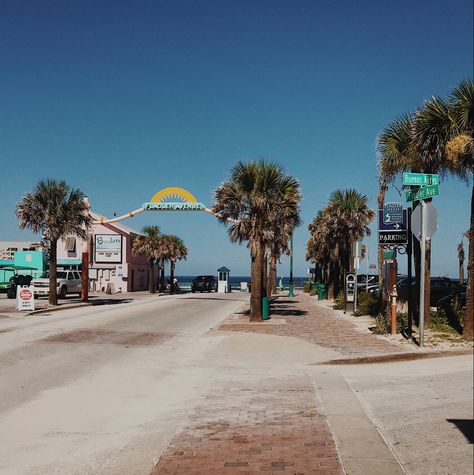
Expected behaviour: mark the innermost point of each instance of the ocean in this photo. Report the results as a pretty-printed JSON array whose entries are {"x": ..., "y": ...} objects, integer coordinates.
[{"x": 185, "y": 281}]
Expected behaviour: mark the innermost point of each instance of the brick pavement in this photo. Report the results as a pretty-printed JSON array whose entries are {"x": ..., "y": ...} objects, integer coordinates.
[
  {"x": 272, "y": 426},
  {"x": 323, "y": 326}
]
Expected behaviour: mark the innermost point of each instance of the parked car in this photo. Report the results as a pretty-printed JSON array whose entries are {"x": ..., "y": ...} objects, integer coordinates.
[
  {"x": 68, "y": 282},
  {"x": 204, "y": 283}
]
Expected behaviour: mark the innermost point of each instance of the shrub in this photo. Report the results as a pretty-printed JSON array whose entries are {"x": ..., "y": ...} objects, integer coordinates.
[
  {"x": 339, "y": 302},
  {"x": 383, "y": 323},
  {"x": 447, "y": 320},
  {"x": 313, "y": 292},
  {"x": 367, "y": 304},
  {"x": 307, "y": 287}
]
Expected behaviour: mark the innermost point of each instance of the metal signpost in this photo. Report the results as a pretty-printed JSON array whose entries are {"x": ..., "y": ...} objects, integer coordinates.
[{"x": 429, "y": 187}]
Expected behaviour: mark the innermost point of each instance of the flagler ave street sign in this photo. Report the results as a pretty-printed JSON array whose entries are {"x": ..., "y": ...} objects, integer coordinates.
[
  {"x": 420, "y": 179},
  {"x": 422, "y": 193}
]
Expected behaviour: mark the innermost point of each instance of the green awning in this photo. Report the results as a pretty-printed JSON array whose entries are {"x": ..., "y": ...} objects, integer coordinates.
[{"x": 69, "y": 262}]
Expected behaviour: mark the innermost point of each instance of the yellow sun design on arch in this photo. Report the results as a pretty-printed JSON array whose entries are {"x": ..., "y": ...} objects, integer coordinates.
[{"x": 173, "y": 193}]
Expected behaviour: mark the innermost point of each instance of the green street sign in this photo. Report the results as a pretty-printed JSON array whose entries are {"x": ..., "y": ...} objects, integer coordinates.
[
  {"x": 422, "y": 193},
  {"x": 420, "y": 179}
]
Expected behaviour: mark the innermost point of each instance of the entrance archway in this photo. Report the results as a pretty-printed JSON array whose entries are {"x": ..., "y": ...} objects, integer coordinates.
[{"x": 172, "y": 198}]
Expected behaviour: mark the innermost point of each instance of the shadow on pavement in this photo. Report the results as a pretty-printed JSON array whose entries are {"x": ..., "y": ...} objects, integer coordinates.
[
  {"x": 110, "y": 301},
  {"x": 466, "y": 426}
]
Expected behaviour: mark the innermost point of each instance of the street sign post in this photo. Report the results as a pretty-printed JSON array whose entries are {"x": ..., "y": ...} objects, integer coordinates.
[
  {"x": 422, "y": 193},
  {"x": 420, "y": 179}
]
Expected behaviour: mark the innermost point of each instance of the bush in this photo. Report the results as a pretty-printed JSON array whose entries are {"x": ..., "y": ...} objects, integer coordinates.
[
  {"x": 447, "y": 320},
  {"x": 307, "y": 287},
  {"x": 383, "y": 323},
  {"x": 339, "y": 302},
  {"x": 313, "y": 293},
  {"x": 367, "y": 304}
]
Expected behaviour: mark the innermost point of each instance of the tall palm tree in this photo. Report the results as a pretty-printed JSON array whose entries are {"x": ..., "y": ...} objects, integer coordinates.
[
  {"x": 257, "y": 195},
  {"x": 441, "y": 141},
  {"x": 333, "y": 231},
  {"x": 57, "y": 211},
  {"x": 163, "y": 257},
  {"x": 276, "y": 246},
  {"x": 177, "y": 252},
  {"x": 148, "y": 245}
]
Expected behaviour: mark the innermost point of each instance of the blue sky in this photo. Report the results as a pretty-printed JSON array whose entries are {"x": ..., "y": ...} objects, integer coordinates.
[{"x": 122, "y": 99}]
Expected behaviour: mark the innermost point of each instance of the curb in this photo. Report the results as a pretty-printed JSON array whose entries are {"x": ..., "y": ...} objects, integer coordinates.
[{"x": 394, "y": 357}]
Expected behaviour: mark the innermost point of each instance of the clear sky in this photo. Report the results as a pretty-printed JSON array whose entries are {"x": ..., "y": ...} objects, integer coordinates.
[{"x": 122, "y": 99}]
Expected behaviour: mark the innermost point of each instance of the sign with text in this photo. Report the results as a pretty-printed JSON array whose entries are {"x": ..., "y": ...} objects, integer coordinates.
[
  {"x": 390, "y": 221},
  {"x": 108, "y": 248},
  {"x": 420, "y": 179},
  {"x": 422, "y": 193},
  {"x": 25, "y": 298},
  {"x": 393, "y": 237}
]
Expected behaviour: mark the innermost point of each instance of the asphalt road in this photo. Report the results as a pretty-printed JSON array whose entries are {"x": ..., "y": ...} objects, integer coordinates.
[{"x": 102, "y": 389}]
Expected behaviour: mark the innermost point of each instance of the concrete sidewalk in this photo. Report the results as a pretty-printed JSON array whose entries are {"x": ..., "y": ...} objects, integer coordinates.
[{"x": 298, "y": 414}]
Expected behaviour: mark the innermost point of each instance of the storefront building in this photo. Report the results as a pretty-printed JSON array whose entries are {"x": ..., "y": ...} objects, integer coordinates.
[{"x": 112, "y": 266}]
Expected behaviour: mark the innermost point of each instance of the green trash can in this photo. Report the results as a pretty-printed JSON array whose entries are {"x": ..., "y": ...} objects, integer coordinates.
[
  {"x": 265, "y": 309},
  {"x": 321, "y": 291}
]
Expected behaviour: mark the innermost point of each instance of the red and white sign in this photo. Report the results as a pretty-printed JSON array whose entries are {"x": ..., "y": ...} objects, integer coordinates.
[{"x": 25, "y": 298}]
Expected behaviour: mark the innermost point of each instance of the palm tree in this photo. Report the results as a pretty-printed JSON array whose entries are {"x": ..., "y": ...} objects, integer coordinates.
[
  {"x": 333, "y": 231},
  {"x": 148, "y": 245},
  {"x": 177, "y": 252},
  {"x": 441, "y": 141},
  {"x": 257, "y": 195},
  {"x": 57, "y": 211},
  {"x": 276, "y": 246}
]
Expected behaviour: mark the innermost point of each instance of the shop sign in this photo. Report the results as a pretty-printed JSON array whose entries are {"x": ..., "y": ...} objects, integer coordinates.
[
  {"x": 108, "y": 248},
  {"x": 173, "y": 199},
  {"x": 25, "y": 298}
]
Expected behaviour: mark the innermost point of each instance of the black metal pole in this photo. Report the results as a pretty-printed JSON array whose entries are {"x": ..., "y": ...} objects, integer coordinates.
[{"x": 409, "y": 259}]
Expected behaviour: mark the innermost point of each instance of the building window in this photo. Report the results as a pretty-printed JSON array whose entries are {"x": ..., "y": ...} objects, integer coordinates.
[{"x": 70, "y": 244}]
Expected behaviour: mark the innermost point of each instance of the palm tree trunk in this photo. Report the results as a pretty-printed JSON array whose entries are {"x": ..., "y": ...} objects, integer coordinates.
[
  {"x": 172, "y": 264},
  {"x": 151, "y": 277},
  {"x": 53, "y": 252},
  {"x": 272, "y": 277},
  {"x": 265, "y": 276},
  {"x": 162, "y": 276},
  {"x": 427, "y": 281},
  {"x": 469, "y": 319},
  {"x": 256, "y": 284}
]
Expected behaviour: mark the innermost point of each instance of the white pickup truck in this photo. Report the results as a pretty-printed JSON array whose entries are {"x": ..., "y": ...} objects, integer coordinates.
[{"x": 69, "y": 282}]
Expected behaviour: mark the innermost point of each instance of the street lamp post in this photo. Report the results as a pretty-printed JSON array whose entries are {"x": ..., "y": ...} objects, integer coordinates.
[{"x": 290, "y": 289}]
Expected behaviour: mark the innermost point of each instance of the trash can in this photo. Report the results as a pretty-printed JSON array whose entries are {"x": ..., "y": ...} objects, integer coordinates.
[
  {"x": 321, "y": 291},
  {"x": 265, "y": 309}
]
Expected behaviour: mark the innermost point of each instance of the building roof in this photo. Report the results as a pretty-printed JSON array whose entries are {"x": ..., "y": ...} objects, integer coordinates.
[
  {"x": 118, "y": 225},
  {"x": 223, "y": 269},
  {"x": 18, "y": 245}
]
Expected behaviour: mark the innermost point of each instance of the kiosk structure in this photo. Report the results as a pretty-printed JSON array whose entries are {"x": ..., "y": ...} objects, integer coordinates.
[{"x": 223, "y": 285}]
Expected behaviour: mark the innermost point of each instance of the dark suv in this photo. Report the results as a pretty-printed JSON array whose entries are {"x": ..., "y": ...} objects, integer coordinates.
[{"x": 204, "y": 283}]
